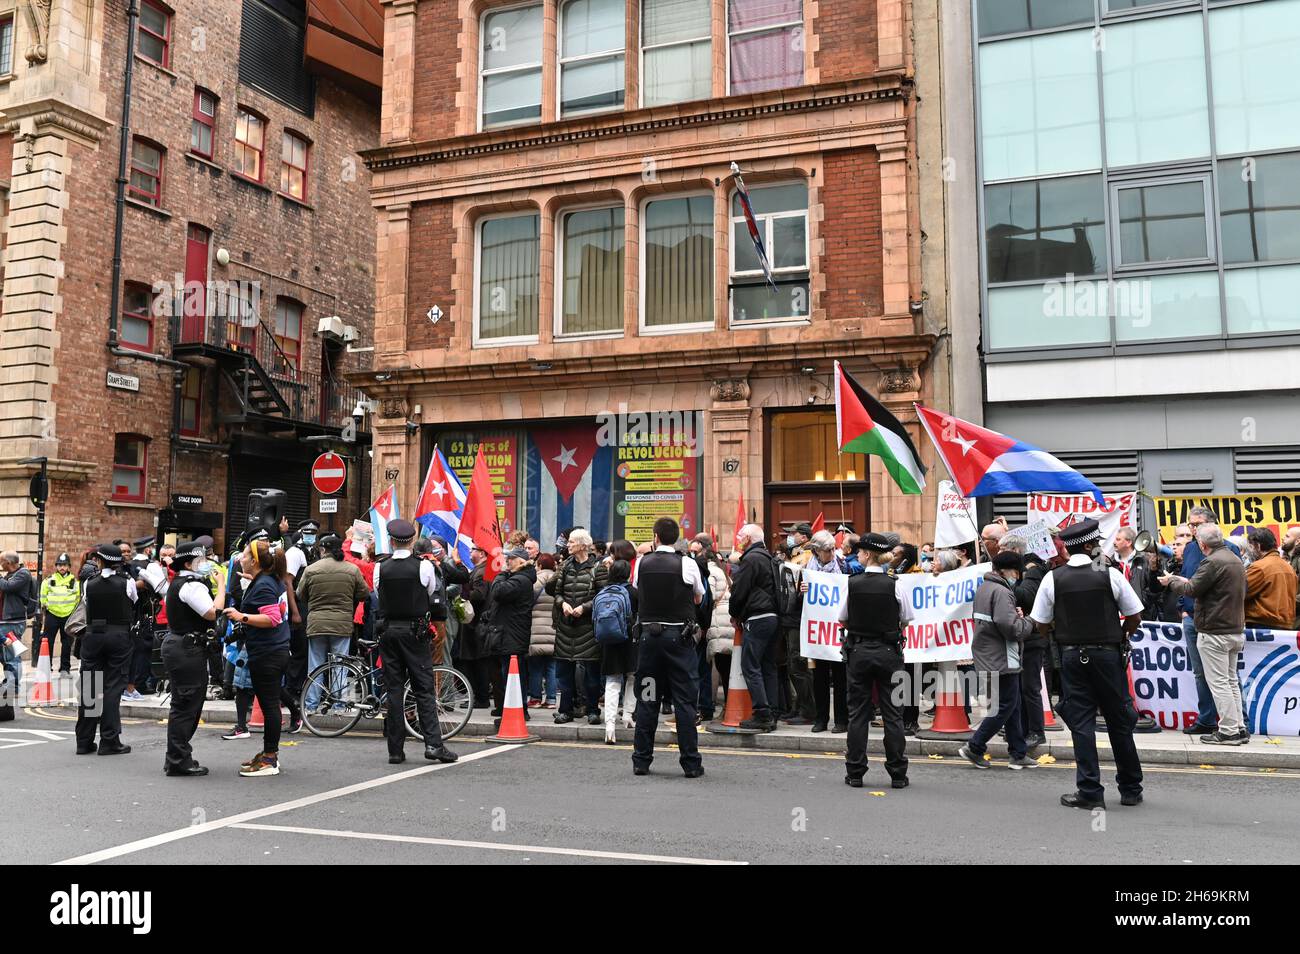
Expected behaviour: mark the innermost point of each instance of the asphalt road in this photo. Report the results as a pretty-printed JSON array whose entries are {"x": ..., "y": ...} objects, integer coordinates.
[{"x": 338, "y": 800}]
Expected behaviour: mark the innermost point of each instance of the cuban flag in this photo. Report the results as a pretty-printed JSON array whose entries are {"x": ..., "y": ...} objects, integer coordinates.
[
  {"x": 442, "y": 504},
  {"x": 752, "y": 223},
  {"x": 381, "y": 511},
  {"x": 568, "y": 482},
  {"x": 983, "y": 462}
]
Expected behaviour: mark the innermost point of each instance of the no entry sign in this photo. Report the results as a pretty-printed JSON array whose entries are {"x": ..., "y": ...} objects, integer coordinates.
[{"x": 329, "y": 473}]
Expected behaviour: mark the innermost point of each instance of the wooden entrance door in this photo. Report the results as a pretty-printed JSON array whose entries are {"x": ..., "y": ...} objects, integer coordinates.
[{"x": 796, "y": 503}]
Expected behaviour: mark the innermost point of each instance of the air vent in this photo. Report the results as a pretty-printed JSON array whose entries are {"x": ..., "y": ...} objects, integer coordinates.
[
  {"x": 1186, "y": 483},
  {"x": 1267, "y": 469}
]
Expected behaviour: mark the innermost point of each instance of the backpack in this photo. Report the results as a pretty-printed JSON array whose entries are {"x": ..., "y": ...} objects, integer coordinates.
[
  {"x": 611, "y": 611},
  {"x": 704, "y": 609},
  {"x": 787, "y": 593}
]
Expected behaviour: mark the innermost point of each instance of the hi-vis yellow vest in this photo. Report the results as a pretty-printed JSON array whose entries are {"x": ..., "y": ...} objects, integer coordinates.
[{"x": 60, "y": 594}]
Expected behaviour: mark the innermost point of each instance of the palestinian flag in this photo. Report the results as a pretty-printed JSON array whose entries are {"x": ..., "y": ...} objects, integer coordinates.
[{"x": 863, "y": 426}]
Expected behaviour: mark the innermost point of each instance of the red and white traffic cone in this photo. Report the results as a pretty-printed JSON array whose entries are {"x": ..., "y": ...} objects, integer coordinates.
[
  {"x": 740, "y": 705},
  {"x": 42, "y": 684},
  {"x": 256, "y": 720},
  {"x": 514, "y": 728},
  {"x": 950, "y": 720},
  {"x": 1049, "y": 717}
]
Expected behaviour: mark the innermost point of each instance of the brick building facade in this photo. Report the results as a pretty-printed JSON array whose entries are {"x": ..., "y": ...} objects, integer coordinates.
[
  {"x": 239, "y": 237},
  {"x": 561, "y": 238}
]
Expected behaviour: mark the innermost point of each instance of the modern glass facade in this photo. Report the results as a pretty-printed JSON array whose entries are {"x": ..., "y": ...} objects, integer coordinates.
[{"x": 1140, "y": 173}]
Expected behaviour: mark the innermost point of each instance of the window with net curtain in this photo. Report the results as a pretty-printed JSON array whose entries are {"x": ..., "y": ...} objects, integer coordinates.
[
  {"x": 510, "y": 66},
  {"x": 678, "y": 280},
  {"x": 767, "y": 44},
  {"x": 676, "y": 51},
  {"x": 508, "y": 281},
  {"x": 592, "y": 40},
  {"x": 593, "y": 272}
]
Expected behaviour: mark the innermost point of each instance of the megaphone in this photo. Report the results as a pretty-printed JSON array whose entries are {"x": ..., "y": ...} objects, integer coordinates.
[{"x": 1144, "y": 541}]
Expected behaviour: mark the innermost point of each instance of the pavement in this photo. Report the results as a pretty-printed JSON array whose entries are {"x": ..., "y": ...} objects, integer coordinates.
[{"x": 565, "y": 802}]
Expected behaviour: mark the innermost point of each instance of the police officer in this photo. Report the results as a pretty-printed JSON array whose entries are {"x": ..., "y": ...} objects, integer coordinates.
[
  {"x": 60, "y": 595},
  {"x": 1085, "y": 598},
  {"x": 105, "y": 653},
  {"x": 186, "y": 648},
  {"x": 873, "y": 616},
  {"x": 669, "y": 588},
  {"x": 406, "y": 585}
]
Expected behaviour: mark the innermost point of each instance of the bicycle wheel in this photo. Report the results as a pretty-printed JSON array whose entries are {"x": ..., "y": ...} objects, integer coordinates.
[
  {"x": 340, "y": 688},
  {"x": 455, "y": 700}
]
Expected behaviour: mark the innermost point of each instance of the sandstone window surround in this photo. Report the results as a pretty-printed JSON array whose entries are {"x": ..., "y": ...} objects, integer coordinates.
[
  {"x": 6, "y": 45},
  {"x": 526, "y": 55},
  {"x": 658, "y": 262}
]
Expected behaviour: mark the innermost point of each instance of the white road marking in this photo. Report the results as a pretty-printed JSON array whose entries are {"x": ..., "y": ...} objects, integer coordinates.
[
  {"x": 491, "y": 845},
  {"x": 189, "y": 832},
  {"x": 48, "y": 735}
]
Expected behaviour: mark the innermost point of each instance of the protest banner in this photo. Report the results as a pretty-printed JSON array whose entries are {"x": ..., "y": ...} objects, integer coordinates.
[
  {"x": 943, "y": 608},
  {"x": 820, "y": 632},
  {"x": 1269, "y": 669},
  {"x": 1237, "y": 514},
  {"x": 1037, "y": 537},
  {"x": 954, "y": 519},
  {"x": 363, "y": 531},
  {"x": 1061, "y": 510}
]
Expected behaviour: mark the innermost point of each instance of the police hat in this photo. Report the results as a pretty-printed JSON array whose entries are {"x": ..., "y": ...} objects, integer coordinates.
[
  {"x": 143, "y": 542},
  {"x": 189, "y": 550},
  {"x": 401, "y": 529},
  {"x": 1084, "y": 531},
  {"x": 260, "y": 534},
  {"x": 308, "y": 526},
  {"x": 205, "y": 541},
  {"x": 876, "y": 542},
  {"x": 109, "y": 553},
  {"x": 62, "y": 559}
]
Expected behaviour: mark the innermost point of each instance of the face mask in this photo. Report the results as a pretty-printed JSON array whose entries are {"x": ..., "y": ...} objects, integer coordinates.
[
  {"x": 790, "y": 541},
  {"x": 309, "y": 539},
  {"x": 204, "y": 568}
]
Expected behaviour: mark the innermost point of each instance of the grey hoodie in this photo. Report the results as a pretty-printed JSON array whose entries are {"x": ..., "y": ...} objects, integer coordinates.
[{"x": 996, "y": 625}]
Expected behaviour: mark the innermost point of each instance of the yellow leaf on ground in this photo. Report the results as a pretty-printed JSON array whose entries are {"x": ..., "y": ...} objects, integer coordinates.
[
  {"x": 1269, "y": 771},
  {"x": 288, "y": 743},
  {"x": 879, "y": 794},
  {"x": 1272, "y": 741},
  {"x": 1046, "y": 759},
  {"x": 936, "y": 756},
  {"x": 1205, "y": 766}
]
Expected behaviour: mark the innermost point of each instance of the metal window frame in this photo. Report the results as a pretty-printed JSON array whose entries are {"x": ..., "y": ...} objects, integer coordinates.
[
  {"x": 1121, "y": 267},
  {"x": 506, "y": 70},
  {"x": 503, "y": 342},
  {"x": 1037, "y": 181},
  {"x": 792, "y": 274},
  {"x": 585, "y": 58}
]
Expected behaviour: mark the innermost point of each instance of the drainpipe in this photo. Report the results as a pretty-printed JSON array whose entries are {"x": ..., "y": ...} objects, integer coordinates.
[{"x": 132, "y": 22}]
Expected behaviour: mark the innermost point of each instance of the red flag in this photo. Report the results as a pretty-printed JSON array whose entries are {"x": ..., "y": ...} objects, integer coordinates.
[
  {"x": 819, "y": 523},
  {"x": 479, "y": 525},
  {"x": 740, "y": 522}
]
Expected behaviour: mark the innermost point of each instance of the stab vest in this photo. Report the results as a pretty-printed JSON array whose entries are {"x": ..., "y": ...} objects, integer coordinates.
[
  {"x": 1086, "y": 611},
  {"x": 664, "y": 596},
  {"x": 873, "y": 608},
  {"x": 402, "y": 597},
  {"x": 107, "y": 605},
  {"x": 180, "y": 618}
]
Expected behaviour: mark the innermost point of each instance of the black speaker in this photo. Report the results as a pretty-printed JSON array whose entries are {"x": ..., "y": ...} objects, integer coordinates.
[{"x": 265, "y": 508}]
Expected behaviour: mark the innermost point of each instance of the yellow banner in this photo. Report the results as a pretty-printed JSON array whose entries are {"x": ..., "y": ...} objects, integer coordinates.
[{"x": 1278, "y": 512}]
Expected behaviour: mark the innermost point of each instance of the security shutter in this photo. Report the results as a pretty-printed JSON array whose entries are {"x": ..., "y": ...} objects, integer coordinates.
[
  {"x": 272, "y": 39},
  {"x": 1266, "y": 469},
  {"x": 248, "y": 471},
  {"x": 1114, "y": 472}
]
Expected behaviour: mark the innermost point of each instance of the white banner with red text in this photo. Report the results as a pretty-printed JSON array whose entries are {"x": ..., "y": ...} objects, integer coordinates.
[
  {"x": 943, "y": 608},
  {"x": 1061, "y": 510}
]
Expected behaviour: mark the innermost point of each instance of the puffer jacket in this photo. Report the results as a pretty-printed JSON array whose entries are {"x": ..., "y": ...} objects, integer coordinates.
[
  {"x": 510, "y": 608},
  {"x": 577, "y": 585},
  {"x": 329, "y": 592},
  {"x": 542, "y": 641},
  {"x": 721, "y": 633}
]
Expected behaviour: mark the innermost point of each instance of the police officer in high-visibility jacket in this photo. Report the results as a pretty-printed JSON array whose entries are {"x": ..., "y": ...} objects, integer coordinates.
[
  {"x": 873, "y": 616},
  {"x": 105, "y": 654},
  {"x": 186, "y": 649},
  {"x": 1095, "y": 611},
  {"x": 60, "y": 594}
]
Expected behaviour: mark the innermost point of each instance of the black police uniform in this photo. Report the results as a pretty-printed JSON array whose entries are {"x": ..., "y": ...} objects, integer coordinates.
[
  {"x": 185, "y": 652},
  {"x": 666, "y": 661},
  {"x": 405, "y": 647},
  {"x": 1094, "y": 676},
  {"x": 873, "y": 654},
  {"x": 106, "y": 651}
]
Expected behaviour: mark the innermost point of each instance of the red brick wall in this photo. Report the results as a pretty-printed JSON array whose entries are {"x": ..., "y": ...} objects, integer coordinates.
[
  {"x": 853, "y": 261},
  {"x": 321, "y": 254},
  {"x": 429, "y": 281},
  {"x": 846, "y": 37},
  {"x": 436, "y": 83}
]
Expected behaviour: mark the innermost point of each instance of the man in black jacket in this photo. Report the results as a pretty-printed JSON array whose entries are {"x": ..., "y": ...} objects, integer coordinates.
[
  {"x": 1035, "y": 646},
  {"x": 754, "y": 606},
  {"x": 510, "y": 614}
]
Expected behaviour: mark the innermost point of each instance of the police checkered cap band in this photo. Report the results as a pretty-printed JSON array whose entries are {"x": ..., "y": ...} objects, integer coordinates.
[
  {"x": 1084, "y": 532},
  {"x": 878, "y": 542}
]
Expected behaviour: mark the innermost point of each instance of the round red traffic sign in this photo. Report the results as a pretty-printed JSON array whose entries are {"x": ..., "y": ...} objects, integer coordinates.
[{"x": 329, "y": 473}]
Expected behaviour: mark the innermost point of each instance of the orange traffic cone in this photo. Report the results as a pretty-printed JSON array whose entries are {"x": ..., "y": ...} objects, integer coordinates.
[
  {"x": 1049, "y": 718},
  {"x": 740, "y": 705},
  {"x": 257, "y": 720},
  {"x": 950, "y": 720},
  {"x": 42, "y": 685},
  {"x": 513, "y": 728}
]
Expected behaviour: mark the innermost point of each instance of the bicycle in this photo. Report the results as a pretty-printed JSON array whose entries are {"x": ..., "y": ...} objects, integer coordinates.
[{"x": 350, "y": 688}]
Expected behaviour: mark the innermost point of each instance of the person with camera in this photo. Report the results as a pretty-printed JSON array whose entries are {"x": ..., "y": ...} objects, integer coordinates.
[
  {"x": 669, "y": 587},
  {"x": 406, "y": 586},
  {"x": 191, "y": 611}
]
